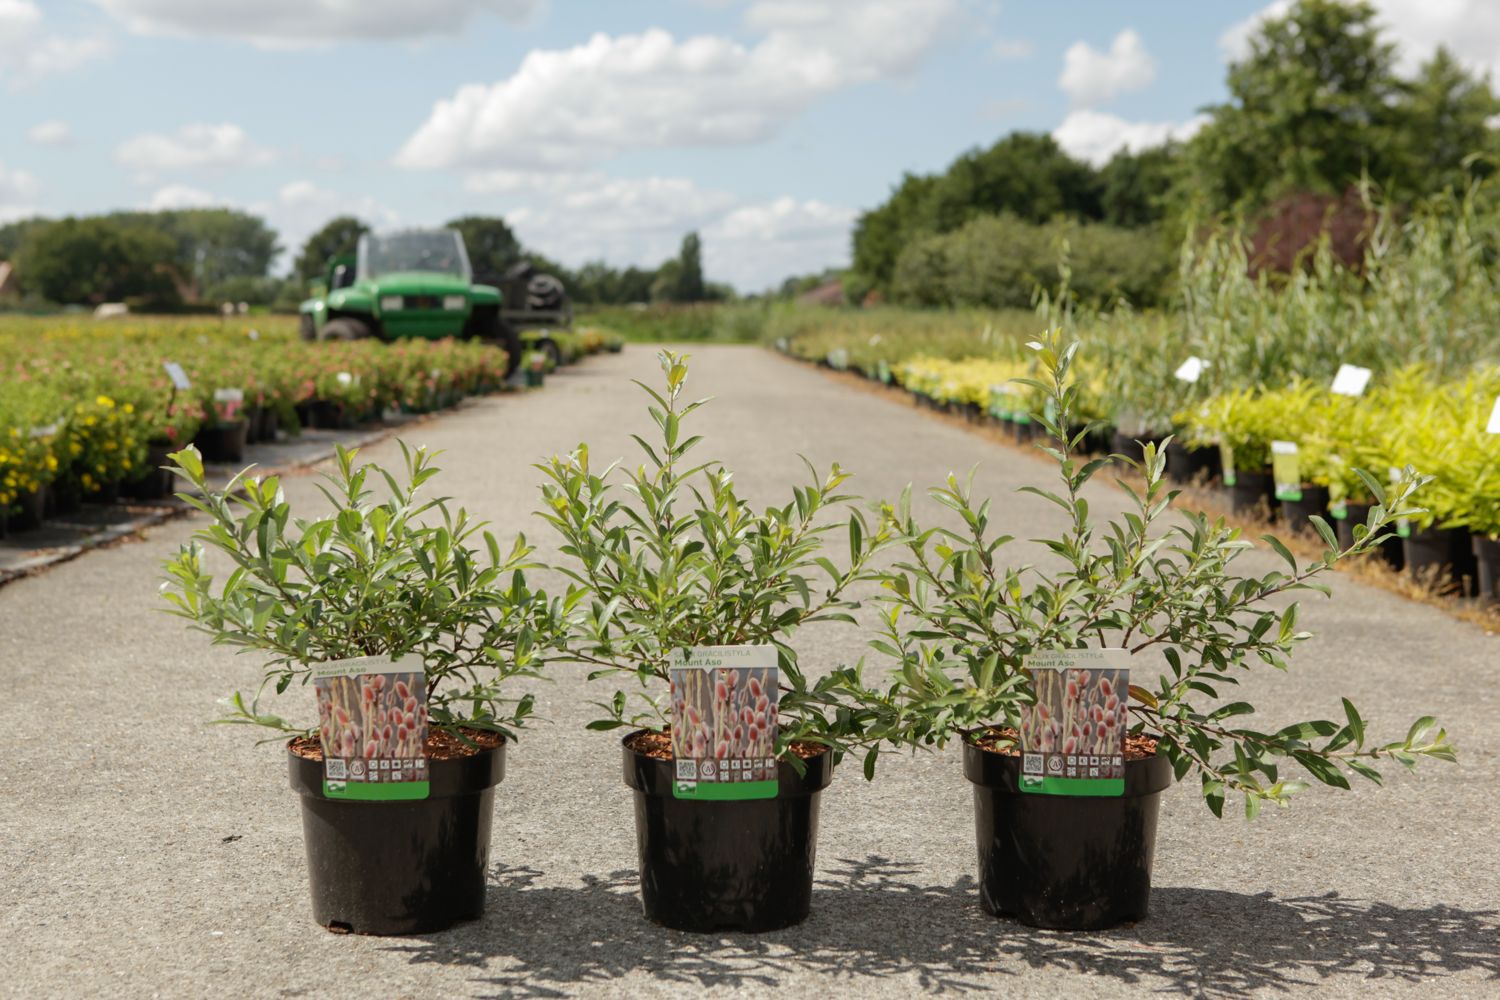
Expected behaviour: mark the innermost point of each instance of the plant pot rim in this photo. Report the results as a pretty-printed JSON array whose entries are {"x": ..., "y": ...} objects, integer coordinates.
[
  {"x": 988, "y": 769},
  {"x": 450, "y": 778},
  {"x": 653, "y": 776}
]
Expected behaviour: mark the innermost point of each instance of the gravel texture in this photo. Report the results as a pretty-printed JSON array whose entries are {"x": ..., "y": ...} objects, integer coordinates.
[{"x": 145, "y": 853}]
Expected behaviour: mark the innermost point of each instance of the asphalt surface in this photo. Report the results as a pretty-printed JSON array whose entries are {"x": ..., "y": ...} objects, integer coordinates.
[{"x": 144, "y": 853}]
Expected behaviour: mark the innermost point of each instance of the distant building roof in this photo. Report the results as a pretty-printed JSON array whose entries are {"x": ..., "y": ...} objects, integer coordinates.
[{"x": 829, "y": 293}]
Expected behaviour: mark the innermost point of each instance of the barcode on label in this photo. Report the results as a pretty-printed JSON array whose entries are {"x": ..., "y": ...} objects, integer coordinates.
[{"x": 1031, "y": 763}]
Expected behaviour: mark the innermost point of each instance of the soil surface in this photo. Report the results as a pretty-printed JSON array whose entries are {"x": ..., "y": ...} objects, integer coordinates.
[
  {"x": 1004, "y": 740},
  {"x": 658, "y": 746},
  {"x": 440, "y": 745}
]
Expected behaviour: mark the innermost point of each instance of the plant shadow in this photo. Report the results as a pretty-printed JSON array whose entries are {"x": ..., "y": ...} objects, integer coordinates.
[{"x": 874, "y": 919}]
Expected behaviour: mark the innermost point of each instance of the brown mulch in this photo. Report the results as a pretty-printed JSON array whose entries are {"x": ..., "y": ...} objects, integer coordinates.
[
  {"x": 1138, "y": 746},
  {"x": 658, "y": 746},
  {"x": 440, "y": 745}
]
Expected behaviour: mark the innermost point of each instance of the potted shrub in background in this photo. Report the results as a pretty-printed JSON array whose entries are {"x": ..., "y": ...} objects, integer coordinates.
[
  {"x": 383, "y": 580},
  {"x": 672, "y": 559},
  {"x": 1159, "y": 585}
]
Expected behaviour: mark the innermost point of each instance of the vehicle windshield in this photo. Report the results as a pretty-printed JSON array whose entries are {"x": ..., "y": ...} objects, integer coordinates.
[{"x": 438, "y": 251}]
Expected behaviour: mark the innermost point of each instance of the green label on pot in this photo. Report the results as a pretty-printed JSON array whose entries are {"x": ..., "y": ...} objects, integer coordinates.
[
  {"x": 724, "y": 704},
  {"x": 1073, "y": 734},
  {"x": 883, "y": 371},
  {"x": 372, "y": 722},
  {"x": 1226, "y": 459},
  {"x": 1286, "y": 470},
  {"x": 1339, "y": 510},
  {"x": 1000, "y": 401}
]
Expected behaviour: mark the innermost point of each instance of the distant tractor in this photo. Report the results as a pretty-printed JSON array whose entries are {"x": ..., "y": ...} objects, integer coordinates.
[{"x": 418, "y": 283}]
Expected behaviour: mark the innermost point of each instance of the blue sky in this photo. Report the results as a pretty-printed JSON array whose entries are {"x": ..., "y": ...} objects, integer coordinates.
[{"x": 600, "y": 130}]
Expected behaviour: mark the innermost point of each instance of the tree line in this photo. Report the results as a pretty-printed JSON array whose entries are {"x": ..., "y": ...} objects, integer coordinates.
[
  {"x": 1317, "y": 114},
  {"x": 189, "y": 258}
]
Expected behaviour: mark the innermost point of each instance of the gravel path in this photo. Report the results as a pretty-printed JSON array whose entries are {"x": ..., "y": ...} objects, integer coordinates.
[{"x": 143, "y": 853}]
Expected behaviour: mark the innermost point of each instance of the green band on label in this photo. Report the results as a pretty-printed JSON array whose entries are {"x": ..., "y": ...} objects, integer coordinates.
[
  {"x": 369, "y": 791},
  {"x": 1087, "y": 787},
  {"x": 725, "y": 791}
]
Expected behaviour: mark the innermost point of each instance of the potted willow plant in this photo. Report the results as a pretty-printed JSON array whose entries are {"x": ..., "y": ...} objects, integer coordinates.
[
  {"x": 414, "y": 641},
  {"x": 680, "y": 573},
  {"x": 1157, "y": 589}
]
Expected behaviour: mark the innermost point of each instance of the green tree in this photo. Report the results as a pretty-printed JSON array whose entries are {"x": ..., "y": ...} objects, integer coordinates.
[
  {"x": 1026, "y": 174},
  {"x": 1444, "y": 119},
  {"x": 1312, "y": 108},
  {"x": 690, "y": 275},
  {"x": 213, "y": 245},
  {"x": 99, "y": 260},
  {"x": 492, "y": 246},
  {"x": 1134, "y": 186},
  {"x": 338, "y": 237},
  {"x": 884, "y": 231}
]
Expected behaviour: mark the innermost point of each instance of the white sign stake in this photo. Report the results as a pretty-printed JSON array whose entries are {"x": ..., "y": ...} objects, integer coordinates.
[{"x": 1351, "y": 380}]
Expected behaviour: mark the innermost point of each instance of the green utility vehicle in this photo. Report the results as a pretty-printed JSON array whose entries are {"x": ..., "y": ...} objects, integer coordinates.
[{"x": 418, "y": 283}]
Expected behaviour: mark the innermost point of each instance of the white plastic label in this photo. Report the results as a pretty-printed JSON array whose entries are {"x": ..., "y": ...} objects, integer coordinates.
[
  {"x": 1494, "y": 425},
  {"x": 178, "y": 376},
  {"x": 1351, "y": 380},
  {"x": 1190, "y": 370},
  {"x": 229, "y": 395}
]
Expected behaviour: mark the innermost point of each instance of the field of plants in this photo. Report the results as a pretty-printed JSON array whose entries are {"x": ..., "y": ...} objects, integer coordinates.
[
  {"x": 1239, "y": 362},
  {"x": 89, "y": 409}
]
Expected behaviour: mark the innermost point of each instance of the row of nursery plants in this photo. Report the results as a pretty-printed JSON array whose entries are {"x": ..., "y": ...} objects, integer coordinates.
[
  {"x": 682, "y": 602},
  {"x": 1240, "y": 361},
  {"x": 89, "y": 411}
]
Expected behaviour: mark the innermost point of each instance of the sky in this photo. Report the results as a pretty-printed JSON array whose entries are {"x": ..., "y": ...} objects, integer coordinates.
[{"x": 598, "y": 129}]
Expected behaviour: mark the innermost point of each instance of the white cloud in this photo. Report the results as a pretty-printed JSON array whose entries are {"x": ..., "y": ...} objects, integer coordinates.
[
  {"x": 311, "y": 22},
  {"x": 652, "y": 90},
  {"x": 50, "y": 133},
  {"x": 1469, "y": 28},
  {"x": 583, "y": 216},
  {"x": 1013, "y": 48},
  {"x": 301, "y": 207},
  {"x": 1095, "y": 136},
  {"x": 175, "y": 196},
  {"x": 192, "y": 147},
  {"x": 27, "y": 53},
  {"x": 1091, "y": 78},
  {"x": 17, "y": 191}
]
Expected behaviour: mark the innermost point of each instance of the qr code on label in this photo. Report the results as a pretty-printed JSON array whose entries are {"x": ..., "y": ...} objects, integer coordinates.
[
  {"x": 336, "y": 768},
  {"x": 687, "y": 769},
  {"x": 1031, "y": 763}
]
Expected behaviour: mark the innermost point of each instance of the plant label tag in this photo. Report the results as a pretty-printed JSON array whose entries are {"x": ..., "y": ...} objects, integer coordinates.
[
  {"x": 46, "y": 431},
  {"x": 1286, "y": 470},
  {"x": 229, "y": 395},
  {"x": 724, "y": 704},
  {"x": 1226, "y": 460},
  {"x": 838, "y": 359},
  {"x": 1073, "y": 733},
  {"x": 1190, "y": 370},
  {"x": 372, "y": 723},
  {"x": 1350, "y": 380},
  {"x": 1493, "y": 427},
  {"x": 1403, "y": 524},
  {"x": 883, "y": 371},
  {"x": 178, "y": 376}
]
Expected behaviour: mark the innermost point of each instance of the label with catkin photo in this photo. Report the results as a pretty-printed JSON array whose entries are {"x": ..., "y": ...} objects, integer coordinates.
[
  {"x": 724, "y": 703},
  {"x": 372, "y": 723},
  {"x": 1286, "y": 470},
  {"x": 1073, "y": 734}
]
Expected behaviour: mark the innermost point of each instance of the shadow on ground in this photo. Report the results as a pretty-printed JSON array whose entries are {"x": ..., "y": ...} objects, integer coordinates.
[{"x": 871, "y": 919}]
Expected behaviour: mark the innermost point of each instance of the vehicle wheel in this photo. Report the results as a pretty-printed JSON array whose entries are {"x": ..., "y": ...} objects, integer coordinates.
[
  {"x": 553, "y": 352},
  {"x": 509, "y": 340},
  {"x": 306, "y": 328},
  {"x": 345, "y": 328}
]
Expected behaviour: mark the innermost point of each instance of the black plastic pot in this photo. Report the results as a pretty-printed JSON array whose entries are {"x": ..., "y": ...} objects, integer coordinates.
[
  {"x": 154, "y": 483},
  {"x": 400, "y": 867},
  {"x": 1187, "y": 466},
  {"x": 726, "y": 866},
  {"x": 223, "y": 442},
  {"x": 1253, "y": 493},
  {"x": 1298, "y": 513},
  {"x": 1441, "y": 556},
  {"x": 1391, "y": 550},
  {"x": 30, "y": 510},
  {"x": 1062, "y": 862},
  {"x": 270, "y": 423},
  {"x": 1487, "y": 559}
]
